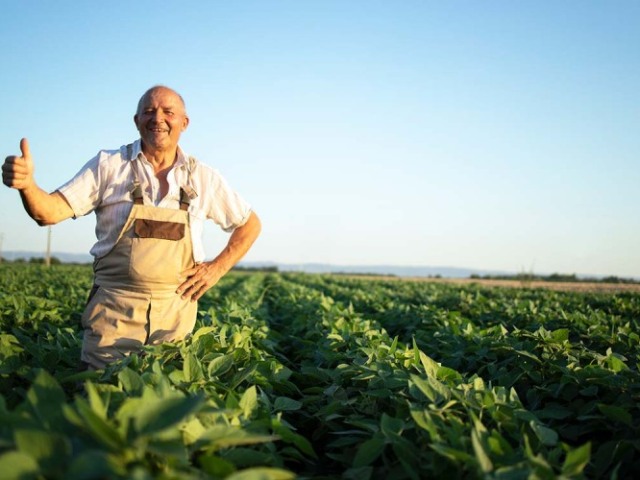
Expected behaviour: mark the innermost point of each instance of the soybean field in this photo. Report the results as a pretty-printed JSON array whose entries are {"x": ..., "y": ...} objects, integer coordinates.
[{"x": 326, "y": 377}]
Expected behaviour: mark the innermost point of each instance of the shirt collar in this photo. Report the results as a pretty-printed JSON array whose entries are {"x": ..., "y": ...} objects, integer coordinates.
[{"x": 136, "y": 151}]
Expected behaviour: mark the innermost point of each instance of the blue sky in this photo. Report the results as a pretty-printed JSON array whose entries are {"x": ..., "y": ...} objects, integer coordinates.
[{"x": 492, "y": 135}]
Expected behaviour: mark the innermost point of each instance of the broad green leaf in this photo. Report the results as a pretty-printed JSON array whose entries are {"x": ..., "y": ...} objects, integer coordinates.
[
  {"x": 223, "y": 436},
  {"x": 172, "y": 450},
  {"x": 95, "y": 401},
  {"x": 394, "y": 346},
  {"x": 46, "y": 398},
  {"x": 18, "y": 466},
  {"x": 560, "y": 335},
  {"x": 360, "y": 473},
  {"x": 50, "y": 450},
  {"x": 249, "y": 401},
  {"x": 159, "y": 415},
  {"x": 426, "y": 388},
  {"x": 202, "y": 331},
  {"x": 430, "y": 366},
  {"x": 9, "y": 346},
  {"x": 94, "y": 464},
  {"x": 220, "y": 365},
  {"x": 555, "y": 411},
  {"x": 616, "y": 413},
  {"x": 132, "y": 383},
  {"x": 546, "y": 435},
  {"x": 215, "y": 466},
  {"x": 245, "y": 457},
  {"x": 390, "y": 426},
  {"x": 408, "y": 455},
  {"x": 100, "y": 429},
  {"x": 615, "y": 363},
  {"x": 576, "y": 460},
  {"x": 590, "y": 391},
  {"x": 262, "y": 473},
  {"x": 242, "y": 375},
  {"x": 530, "y": 355},
  {"x": 478, "y": 384},
  {"x": 368, "y": 452},
  {"x": 192, "y": 368},
  {"x": 283, "y": 404},
  {"x": 423, "y": 420},
  {"x": 192, "y": 430},
  {"x": 293, "y": 438},
  {"x": 478, "y": 435},
  {"x": 454, "y": 454},
  {"x": 448, "y": 374}
]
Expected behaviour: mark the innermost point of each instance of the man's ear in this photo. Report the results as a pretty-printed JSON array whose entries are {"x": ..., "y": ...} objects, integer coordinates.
[{"x": 185, "y": 123}]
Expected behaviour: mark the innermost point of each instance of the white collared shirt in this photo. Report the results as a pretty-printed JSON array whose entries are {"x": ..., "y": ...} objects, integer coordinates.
[{"x": 104, "y": 186}]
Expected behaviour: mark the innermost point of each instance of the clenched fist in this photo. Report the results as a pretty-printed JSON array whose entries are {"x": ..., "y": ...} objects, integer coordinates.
[{"x": 17, "y": 172}]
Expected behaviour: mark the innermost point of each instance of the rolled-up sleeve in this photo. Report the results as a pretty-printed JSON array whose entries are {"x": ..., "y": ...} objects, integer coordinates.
[
  {"x": 225, "y": 206},
  {"x": 83, "y": 190}
]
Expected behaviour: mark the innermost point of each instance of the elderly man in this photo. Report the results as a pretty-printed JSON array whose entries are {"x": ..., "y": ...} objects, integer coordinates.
[{"x": 150, "y": 199}]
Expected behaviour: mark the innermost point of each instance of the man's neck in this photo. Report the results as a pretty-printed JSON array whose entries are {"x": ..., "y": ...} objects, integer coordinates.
[{"x": 161, "y": 160}]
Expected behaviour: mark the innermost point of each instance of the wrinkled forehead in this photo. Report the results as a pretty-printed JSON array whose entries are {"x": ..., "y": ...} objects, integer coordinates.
[{"x": 161, "y": 97}]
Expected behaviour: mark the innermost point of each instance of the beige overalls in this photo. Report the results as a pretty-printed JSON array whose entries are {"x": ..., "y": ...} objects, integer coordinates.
[{"x": 134, "y": 300}]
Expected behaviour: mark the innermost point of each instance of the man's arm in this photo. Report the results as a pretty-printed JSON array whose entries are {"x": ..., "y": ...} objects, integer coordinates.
[
  {"x": 45, "y": 208},
  {"x": 205, "y": 275}
]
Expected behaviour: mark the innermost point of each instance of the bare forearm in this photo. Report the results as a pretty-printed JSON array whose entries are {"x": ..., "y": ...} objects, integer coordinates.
[
  {"x": 45, "y": 208},
  {"x": 205, "y": 275},
  {"x": 239, "y": 244}
]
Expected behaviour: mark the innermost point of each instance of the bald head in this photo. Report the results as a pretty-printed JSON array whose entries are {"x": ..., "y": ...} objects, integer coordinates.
[
  {"x": 159, "y": 88},
  {"x": 161, "y": 118}
]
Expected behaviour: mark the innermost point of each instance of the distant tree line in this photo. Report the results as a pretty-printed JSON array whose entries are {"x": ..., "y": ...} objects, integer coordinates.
[
  {"x": 32, "y": 260},
  {"x": 555, "y": 277},
  {"x": 270, "y": 269}
]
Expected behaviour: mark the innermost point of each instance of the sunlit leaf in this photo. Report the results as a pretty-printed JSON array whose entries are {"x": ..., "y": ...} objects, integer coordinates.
[
  {"x": 131, "y": 382},
  {"x": 18, "y": 466},
  {"x": 220, "y": 365},
  {"x": 262, "y": 473},
  {"x": 576, "y": 460},
  {"x": 249, "y": 401}
]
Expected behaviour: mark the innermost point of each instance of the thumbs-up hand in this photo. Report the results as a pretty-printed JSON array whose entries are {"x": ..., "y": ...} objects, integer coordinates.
[{"x": 17, "y": 172}]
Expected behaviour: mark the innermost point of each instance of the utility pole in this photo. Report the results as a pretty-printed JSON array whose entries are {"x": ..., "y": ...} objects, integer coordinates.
[{"x": 47, "y": 258}]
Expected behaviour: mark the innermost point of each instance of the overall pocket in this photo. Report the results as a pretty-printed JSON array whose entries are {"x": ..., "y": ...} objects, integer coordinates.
[{"x": 157, "y": 251}]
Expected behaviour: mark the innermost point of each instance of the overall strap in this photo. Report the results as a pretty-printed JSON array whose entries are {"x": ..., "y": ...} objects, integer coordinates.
[
  {"x": 184, "y": 199},
  {"x": 187, "y": 193},
  {"x": 136, "y": 191}
]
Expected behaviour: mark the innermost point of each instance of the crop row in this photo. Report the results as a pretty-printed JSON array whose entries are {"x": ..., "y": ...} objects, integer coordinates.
[{"x": 292, "y": 375}]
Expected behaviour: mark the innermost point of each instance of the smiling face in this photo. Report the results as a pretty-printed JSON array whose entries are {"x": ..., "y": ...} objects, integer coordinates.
[{"x": 161, "y": 118}]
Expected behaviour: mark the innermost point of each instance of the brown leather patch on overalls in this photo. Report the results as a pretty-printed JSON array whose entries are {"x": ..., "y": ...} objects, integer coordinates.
[{"x": 145, "y": 228}]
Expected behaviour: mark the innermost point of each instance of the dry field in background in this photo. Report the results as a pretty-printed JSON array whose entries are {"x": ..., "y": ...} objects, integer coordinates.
[{"x": 561, "y": 286}]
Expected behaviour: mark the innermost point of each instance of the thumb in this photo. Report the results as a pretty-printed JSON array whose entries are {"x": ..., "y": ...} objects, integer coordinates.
[{"x": 24, "y": 148}]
